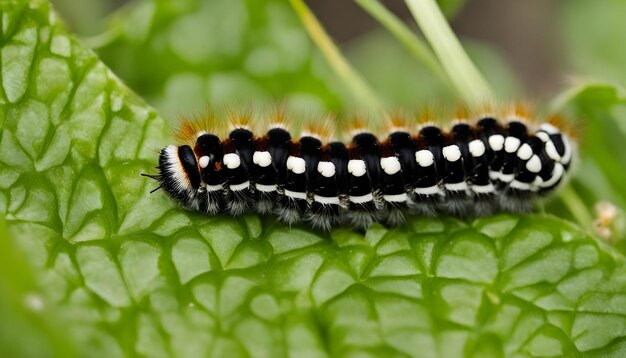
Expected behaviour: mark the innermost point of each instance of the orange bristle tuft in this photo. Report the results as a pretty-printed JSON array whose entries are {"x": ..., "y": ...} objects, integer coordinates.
[
  {"x": 355, "y": 125},
  {"x": 397, "y": 122},
  {"x": 556, "y": 120},
  {"x": 190, "y": 128},
  {"x": 461, "y": 113},
  {"x": 186, "y": 131},
  {"x": 571, "y": 129},
  {"x": 425, "y": 117},
  {"x": 320, "y": 128},
  {"x": 240, "y": 118},
  {"x": 482, "y": 110},
  {"x": 520, "y": 111},
  {"x": 278, "y": 117}
]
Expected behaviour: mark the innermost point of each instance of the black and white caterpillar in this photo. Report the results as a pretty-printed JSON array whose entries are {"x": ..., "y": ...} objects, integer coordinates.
[{"x": 476, "y": 168}]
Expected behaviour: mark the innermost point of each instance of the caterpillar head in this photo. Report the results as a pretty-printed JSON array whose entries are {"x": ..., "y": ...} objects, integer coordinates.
[{"x": 178, "y": 174}]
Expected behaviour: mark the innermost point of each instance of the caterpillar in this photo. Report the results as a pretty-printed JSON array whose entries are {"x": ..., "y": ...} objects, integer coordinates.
[{"x": 476, "y": 167}]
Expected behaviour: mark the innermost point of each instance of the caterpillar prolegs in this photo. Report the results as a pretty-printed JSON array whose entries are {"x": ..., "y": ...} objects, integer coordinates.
[{"x": 476, "y": 167}]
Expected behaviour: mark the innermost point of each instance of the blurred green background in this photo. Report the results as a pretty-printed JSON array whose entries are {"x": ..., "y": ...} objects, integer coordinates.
[{"x": 182, "y": 55}]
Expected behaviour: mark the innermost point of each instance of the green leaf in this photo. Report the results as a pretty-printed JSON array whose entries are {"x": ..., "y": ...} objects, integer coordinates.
[
  {"x": 119, "y": 272},
  {"x": 24, "y": 319}
]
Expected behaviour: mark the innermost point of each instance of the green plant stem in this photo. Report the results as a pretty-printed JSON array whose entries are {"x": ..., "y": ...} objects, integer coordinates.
[
  {"x": 410, "y": 40},
  {"x": 360, "y": 89},
  {"x": 464, "y": 75},
  {"x": 576, "y": 206}
]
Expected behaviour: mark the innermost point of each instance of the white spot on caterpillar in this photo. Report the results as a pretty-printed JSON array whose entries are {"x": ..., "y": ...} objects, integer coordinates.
[
  {"x": 396, "y": 198},
  {"x": 477, "y": 148},
  {"x": 507, "y": 178},
  {"x": 431, "y": 190},
  {"x": 327, "y": 169},
  {"x": 266, "y": 188},
  {"x": 204, "y": 161},
  {"x": 543, "y": 136},
  {"x": 214, "y": 187},
  {"x": 483, "y": 189},
  {"x": 496, "y": 142},
  {"x": 533, "y": 165},
  {"x": 295, "y": 194},
  {"x": 326, "y": 200},
  {"x": 552, "y": 152},
  {"x": 391, "y": 165},
  {"x": 525, "y": 152},
  {"x": 424, "y": 158},
  {"x": 557, "y": 174},
  {"x": 515, "y": 184},
  {"x": 567, "y": 155},
  {"x": 462, "y": 186},
  {"x": 362, "y": 199},
  {"x": 262, "y": 159},
  {"x": 232, "y": 160},
  {"x": 296, "y": 165},
  {"x": 452, "y": 153},
  {"x": 356, "y": 167},
  {"x": 511, "y": 144},
  {"x": 242, "y": 186}
]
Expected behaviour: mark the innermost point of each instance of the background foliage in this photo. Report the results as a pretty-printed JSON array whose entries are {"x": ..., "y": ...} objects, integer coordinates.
[{"x": 91, "y": 265}]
